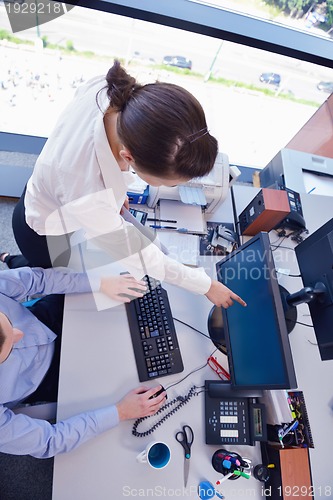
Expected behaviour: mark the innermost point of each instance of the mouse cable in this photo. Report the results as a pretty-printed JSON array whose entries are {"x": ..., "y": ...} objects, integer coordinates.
[
  {"x": 190, "y": 373},
  {"x": 179, "y": 401},
  {"x": 171, "y": 407}
]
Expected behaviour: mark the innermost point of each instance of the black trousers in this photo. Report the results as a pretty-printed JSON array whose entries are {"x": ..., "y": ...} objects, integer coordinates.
[
  {"x": 49, "y": 310},
  {"x": 35, "y": 248}
]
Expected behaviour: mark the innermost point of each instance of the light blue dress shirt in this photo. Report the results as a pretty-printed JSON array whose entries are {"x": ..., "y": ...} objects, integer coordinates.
[{"x": 24, "y": 369}]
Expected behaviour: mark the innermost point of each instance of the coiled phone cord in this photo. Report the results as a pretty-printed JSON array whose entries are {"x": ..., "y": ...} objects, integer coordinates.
[{"x": 179, "y": 401}]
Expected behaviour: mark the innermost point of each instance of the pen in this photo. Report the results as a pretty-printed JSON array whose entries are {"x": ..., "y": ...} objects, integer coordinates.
[
  {"x": 162, "y": 220},
  {"x": 154, "y": 226},
  {"x": 224, "y": 478},
  {"x": 241, "y": 473},
  {"x": 311, "y": 190},
  {"x": 178, "y": 229}
]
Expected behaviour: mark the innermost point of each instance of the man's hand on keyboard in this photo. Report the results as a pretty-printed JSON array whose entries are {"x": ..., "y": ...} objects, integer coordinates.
[
  {"x": 136, "y": 403},
  {"x": 221, "y": 295},
  {"x": 123, "y": 288}
]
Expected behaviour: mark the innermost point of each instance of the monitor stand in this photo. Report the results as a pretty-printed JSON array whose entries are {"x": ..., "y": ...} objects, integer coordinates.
[
  {"x": 216, "y": 328},
  {"x": 290, "y": 311},
  {"x": 305, "y": 295}
]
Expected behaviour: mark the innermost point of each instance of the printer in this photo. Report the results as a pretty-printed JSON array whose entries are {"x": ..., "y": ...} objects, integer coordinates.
[{"x": 209, "y": 191}]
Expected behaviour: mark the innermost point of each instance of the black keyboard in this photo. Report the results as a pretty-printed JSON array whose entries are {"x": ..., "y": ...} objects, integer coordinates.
[{"x": 153, "y": 333}]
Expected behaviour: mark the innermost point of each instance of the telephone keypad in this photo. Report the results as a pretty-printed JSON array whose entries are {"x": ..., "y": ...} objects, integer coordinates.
[{"x": 229, "y": 422}]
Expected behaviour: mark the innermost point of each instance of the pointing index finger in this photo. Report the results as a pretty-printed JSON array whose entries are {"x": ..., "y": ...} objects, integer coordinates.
[{"x": 239, "y": 300}]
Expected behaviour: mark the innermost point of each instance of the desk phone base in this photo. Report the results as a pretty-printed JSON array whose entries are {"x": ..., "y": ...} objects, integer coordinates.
[{"x": 231, "y": 416}]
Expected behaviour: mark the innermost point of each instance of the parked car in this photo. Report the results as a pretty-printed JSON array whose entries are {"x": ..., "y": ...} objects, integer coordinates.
[
  {"x": 325, "y": 87},
  {"x": 179, "y": 61},
  {"x": 272, "y": 78}
]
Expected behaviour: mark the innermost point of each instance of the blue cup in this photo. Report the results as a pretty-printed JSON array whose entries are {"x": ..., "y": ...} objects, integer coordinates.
[{"x": 157, "y": 454}]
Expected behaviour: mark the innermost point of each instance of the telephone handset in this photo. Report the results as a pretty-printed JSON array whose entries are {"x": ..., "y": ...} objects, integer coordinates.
[{"x": 232, "y": 416}]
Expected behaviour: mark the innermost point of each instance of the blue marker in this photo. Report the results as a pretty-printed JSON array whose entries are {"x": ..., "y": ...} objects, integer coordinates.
[{"x": 311, "y": 190}]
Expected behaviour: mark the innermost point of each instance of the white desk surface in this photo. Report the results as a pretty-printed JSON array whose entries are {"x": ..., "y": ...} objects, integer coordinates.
[{"x": 100, "y": 373}]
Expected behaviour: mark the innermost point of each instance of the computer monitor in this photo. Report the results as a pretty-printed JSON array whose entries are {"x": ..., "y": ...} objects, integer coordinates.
[
  {"x": 256, "y": 336},
  {"x": 315, "y": 260}
]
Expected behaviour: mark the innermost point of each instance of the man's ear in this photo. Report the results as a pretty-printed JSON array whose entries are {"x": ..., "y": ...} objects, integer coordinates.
[{"x": 126, "y": 156}]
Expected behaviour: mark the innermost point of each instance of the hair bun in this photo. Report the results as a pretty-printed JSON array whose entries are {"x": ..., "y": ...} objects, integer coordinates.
[{"x": 121, "y": 86}]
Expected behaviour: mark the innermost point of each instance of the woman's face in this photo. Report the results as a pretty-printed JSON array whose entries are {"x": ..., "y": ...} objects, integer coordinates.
[{"x": 152, "y": 180}]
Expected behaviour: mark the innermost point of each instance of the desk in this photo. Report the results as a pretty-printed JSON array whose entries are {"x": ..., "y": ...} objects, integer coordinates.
[
  {"x": 101, "y": 373},
  {"x": 97, "y": 375}
]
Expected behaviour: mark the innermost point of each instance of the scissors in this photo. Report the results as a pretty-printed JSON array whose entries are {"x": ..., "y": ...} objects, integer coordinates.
[{"x": 186, "y": 438}]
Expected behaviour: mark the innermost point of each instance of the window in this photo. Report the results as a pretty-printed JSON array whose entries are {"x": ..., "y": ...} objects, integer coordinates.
[{"x": 252, "y": 119}]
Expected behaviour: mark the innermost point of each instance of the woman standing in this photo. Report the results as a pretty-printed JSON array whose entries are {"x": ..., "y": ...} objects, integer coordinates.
[{"x": 80, "y": 179}]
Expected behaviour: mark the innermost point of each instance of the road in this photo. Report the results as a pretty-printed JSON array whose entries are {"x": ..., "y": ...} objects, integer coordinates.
[
  {"x": 264, "y": 124},
  {"x": 121, "y": 37}
]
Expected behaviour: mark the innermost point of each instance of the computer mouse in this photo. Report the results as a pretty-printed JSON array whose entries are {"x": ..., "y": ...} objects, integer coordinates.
[{"x": 158, "y": 393}]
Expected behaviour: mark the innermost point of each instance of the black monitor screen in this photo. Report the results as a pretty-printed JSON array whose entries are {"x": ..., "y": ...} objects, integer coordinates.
[
  {"x": 256, "y": 336},
  {"x": 315, "y": 260}
]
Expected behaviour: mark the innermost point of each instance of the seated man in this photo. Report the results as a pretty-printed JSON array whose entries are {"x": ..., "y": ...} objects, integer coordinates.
[{"x": 29, "y": 360}]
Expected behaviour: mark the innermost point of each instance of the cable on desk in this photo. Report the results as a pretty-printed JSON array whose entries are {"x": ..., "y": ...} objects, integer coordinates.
[
  {"x": 201, "y": 333},
  {"x": 233, "y": 203},
  {"x": 178, "y": 402},
  {"x": 289, "y": 275},
  {"x": 190, "y": 326},
  {"x": 304, "y": 324},
  {"x": 275, "y": 247},
  {"x": 281, "y": 246},
  {"x": 190, "y": 373}
]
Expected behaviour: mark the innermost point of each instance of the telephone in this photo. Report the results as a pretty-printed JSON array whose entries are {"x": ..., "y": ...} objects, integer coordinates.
[{"x": 232, "y": 416}]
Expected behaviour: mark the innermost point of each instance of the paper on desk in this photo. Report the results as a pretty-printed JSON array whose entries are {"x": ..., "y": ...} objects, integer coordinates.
[
  {"x": 182, "y": 247},
  {"x": 318, "y": 184},
  {"x": 188, "y": 217}
]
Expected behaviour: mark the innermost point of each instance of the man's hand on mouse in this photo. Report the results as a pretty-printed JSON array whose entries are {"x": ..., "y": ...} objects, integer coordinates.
[
  {"x": 221, "y": 295},
  {"x": 136, "y": 403},
  {"x": 123, "y": 288}
]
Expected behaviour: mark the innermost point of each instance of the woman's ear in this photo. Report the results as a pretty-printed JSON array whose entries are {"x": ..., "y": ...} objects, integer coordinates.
[{"x": 126, "y": 156}]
